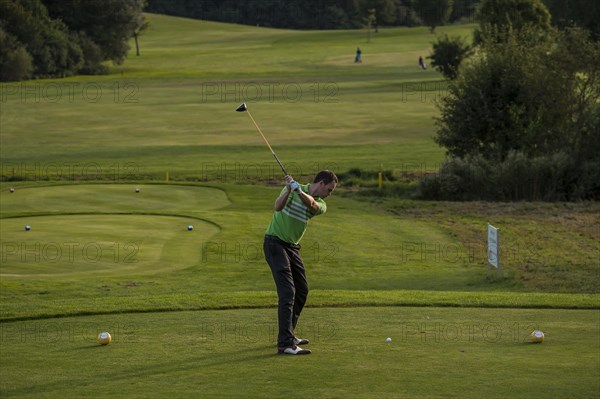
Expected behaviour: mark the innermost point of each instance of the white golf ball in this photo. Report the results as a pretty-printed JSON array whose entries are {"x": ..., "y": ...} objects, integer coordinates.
[
  {"x": 104, "y": 338},
  {"x": 190, "y": 227},
  {"x": 27, "y": 227},
  {"x": 537, "y": 337},
  {"x": 388, "y": 340}
]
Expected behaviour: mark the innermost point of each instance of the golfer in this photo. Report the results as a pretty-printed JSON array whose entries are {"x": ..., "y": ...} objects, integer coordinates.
[
  {"x": 295, "y": 205},
  {"x": 358, "y": 54}
]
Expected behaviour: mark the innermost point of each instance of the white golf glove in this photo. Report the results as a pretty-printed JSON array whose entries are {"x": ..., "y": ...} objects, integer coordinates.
[{"x": 295, "y": 186}]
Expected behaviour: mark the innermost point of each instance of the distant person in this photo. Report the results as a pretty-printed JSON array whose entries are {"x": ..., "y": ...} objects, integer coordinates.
[
  {"x": 358, "y": 54},
  {"x": 422, "y": 63}
]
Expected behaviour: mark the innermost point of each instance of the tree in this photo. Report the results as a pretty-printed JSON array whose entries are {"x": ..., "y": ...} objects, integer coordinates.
[
  {"x": 463, "y": 10},
  {"x": 522, "y": 120},
  {"x": 582, "y": 13},
  {"x": 53, "y": 50},
  {"x": 370, "y": 21},
  {"x": 434, "y": 13},
  {"x": 15, "y": 61},
  {"x": 384, "y": 11},
  {"x": 405, "y": 13},
  {"x": 61, "y": 38},
  {"x": 535, "y": 93},
  {"x": 448, "y": 53},
  {"x": 501, "y": 16},
  {"x": 142, "y": 25},
  {"x": 107, "y": 23}
]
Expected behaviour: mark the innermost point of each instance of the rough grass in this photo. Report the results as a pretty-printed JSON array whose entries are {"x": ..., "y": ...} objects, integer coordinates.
[{"x": 544, "y": 246}]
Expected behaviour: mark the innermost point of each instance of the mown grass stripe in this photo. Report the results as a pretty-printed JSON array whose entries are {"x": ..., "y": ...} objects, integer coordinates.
[{"x": 318, "y": 299}]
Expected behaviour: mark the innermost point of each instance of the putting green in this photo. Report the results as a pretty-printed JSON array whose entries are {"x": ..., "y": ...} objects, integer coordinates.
[
  {"x": 92, "y": 245},
  {"x": 111, "y": 198}
]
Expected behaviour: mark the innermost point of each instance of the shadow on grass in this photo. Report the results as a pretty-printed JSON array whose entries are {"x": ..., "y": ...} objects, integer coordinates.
[{"x": 232, "y": 358}]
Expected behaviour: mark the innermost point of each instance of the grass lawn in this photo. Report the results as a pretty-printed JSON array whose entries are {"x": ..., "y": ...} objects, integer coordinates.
[
  {"x": 434, "y": 353},
  {"x": 194, "y": 311},
  {"x": 105, "y": 248},
  {"x": 172, "y": 109}
]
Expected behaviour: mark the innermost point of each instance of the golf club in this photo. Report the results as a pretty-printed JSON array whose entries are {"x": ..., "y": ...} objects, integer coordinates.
[{"x": 244, "y": 108}]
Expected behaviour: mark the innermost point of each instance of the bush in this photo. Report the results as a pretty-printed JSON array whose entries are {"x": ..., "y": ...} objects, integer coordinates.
[
  {"x": 46, "y": 40},
  {"x": 556, "y": 177},
  {"x": 15, "y": 61},
  {"x": 447, "y": 55},
  {"x": 93, "y": 57},
  {"x": 537, "y": 93}
]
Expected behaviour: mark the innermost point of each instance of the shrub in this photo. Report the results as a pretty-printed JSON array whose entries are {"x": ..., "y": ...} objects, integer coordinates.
[
  {"x": 15, "y": 61},
  {"x": 555, "y": 177},
  {"x": 447, "y": 55}
]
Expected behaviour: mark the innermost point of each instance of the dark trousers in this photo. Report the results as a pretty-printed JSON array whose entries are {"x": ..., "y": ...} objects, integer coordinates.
[{"x": 292, "y": 288}]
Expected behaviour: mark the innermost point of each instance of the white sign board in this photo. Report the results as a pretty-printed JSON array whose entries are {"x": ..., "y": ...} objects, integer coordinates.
[{"x": 493, "y": 246}]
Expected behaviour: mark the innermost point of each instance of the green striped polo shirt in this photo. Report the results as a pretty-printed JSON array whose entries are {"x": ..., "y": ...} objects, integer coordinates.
[{"x": 290, "y": 223}]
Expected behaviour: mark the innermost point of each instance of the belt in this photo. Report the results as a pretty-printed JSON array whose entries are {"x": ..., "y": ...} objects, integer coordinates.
[{"x": 280, "y": 241}]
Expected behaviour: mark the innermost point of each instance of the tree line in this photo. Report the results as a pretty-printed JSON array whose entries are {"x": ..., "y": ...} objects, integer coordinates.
[
  {"x": 315, "y": 14},
  {"x": 54, "y": 38},
  {"x": 352, "y": 14}
]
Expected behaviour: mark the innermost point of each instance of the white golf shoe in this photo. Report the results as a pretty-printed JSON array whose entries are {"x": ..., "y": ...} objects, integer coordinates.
[
  {"x": 300, "y": 341},
  {"x": 293, "y": 350}
]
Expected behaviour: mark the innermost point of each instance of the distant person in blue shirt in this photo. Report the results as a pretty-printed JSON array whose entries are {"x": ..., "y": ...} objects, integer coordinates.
[{"x": 358, "y": 54}]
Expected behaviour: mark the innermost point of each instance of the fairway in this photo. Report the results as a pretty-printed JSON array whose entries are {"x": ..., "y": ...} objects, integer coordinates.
[
  {"x": 109, "y": 171},
  {"x": 434, "y": 353},
  {"x": 172, "y": 109}
]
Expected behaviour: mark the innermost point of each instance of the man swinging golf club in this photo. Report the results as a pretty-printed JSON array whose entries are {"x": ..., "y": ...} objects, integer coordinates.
[{"x": 294, "y": 206}]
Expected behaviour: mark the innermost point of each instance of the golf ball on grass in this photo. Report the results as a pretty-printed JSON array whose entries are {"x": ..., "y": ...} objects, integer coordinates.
[
  {"x": 388, "y": 340},
  {"x": 104, "y": 338},
  {"x": 190, "y": 227},
  {"x": 12, "y": 190},
  {"x": 27, "y": 228},
  {"x": 137, "y": 190},
  {"x": 537, "y": 337}
]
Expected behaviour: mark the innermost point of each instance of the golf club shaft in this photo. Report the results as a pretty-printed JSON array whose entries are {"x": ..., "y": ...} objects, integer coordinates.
[{"x": 265, "y": 139}]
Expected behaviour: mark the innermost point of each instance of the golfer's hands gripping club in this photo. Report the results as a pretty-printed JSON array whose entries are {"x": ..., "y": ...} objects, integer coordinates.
[{"x": 292, "y": 184}]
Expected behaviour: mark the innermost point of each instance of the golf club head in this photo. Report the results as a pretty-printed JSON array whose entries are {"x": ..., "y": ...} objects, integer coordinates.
[{"x": 243, "y": 107}]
